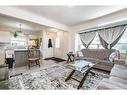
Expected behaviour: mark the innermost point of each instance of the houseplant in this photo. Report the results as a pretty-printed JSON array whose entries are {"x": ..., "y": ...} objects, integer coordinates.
[{"x": 15, "y": 34}]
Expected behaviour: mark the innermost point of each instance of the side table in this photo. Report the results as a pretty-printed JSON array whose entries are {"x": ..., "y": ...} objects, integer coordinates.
[{"x": 70, "y": 57}]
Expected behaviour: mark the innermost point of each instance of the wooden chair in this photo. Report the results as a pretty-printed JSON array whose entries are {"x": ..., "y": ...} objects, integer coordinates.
[{"x": 33, "y": 57}]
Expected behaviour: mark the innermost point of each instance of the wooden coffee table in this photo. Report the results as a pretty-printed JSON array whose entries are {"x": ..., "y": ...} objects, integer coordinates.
[{"x": 81, "y": 66}]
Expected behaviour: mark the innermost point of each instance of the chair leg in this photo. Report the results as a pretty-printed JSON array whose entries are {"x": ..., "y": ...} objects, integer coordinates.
[
  {"x": 36, "y": 62},
  {"x": 29, "y": 64},
  {"x": 39, "y": 63}
]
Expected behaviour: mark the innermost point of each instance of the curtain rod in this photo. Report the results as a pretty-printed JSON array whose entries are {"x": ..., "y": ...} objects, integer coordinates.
[{"x": 100, "y": 28}]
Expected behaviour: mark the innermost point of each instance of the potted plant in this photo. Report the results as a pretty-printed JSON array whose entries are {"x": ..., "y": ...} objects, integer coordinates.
[{"x": 15, "y": 34}]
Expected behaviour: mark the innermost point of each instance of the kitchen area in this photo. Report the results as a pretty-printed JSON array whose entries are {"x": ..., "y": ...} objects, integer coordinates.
[
  {"x": 19, "y": 45},
  {"x": 20, "y": 35}
]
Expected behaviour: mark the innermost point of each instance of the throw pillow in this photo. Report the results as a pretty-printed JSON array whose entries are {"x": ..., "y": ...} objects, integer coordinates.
[
  {"x": 106, "y": 58},
  {"x": 79, "y": 54},
  {"x": 112, "y": 56}
]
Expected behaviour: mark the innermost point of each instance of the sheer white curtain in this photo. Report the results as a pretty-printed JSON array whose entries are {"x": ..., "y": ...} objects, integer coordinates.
[
  {"x": 87, "y": 38},
  {"x": 111, "y": 35}
]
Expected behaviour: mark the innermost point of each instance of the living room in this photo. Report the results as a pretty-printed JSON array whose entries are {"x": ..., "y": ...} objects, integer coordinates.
[{"x": 91, "y": 48}]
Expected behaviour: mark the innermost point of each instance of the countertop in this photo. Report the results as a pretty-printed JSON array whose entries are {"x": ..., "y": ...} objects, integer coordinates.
[{"x": 23, "y": 49}]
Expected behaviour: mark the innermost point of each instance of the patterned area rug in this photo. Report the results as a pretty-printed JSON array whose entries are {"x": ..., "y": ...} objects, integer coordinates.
[{"x": 54, "y": 78}]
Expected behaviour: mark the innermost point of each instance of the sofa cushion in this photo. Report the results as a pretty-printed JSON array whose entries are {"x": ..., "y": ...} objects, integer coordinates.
[
  {"x": 4, "y": 85},
  {"x": 97, "y": 53},
  {"x": 106, "y": 84},
  {"x": 86, "y": 58},
  {"x": 106, "y": 62},
  {"x": 120, "y": 66},
  {"x": 112, "y": 56},
  {"x": 103, "y": 67},
  {"x": 4, "y": 72},
  {"x": 118, "y": 79},
  {"x": 79, "y": 54},
  {"x": 117, "y": 72}
]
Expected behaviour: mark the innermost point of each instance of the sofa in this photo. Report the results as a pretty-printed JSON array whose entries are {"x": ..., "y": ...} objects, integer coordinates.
[
  {"x": 4, "y": 76},
  {"x": 4, "y": 71},
  {"x": 100, "y": 55},
  {"x": 117, "y": 79}
]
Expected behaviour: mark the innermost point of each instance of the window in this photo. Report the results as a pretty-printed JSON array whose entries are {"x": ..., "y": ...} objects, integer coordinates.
[
  {"x": 121, "y": 45},
  {"x": 94, "y": 45},
  {"x": 57, "y": 42}
]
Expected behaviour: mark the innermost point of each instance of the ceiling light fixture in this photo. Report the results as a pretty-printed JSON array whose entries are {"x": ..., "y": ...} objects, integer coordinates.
[
  {"x": 15, "y": 34},
  {"x": 20, "y": 28}
]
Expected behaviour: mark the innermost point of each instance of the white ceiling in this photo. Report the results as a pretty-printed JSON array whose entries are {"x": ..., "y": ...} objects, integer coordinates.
[
  {"x": 68, "y": 15},
  {"x": 8, "y": 23},
  {"x": 71, "y": 15}
]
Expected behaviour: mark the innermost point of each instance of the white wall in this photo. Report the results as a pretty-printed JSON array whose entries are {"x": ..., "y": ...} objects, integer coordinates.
[
  {"x": 64, "y": 45},
  {"x": 46, "y": 52},
  {"x": 71, "y": 35},
  {"x": 55, "y": 52},
  {"x": 5, "y": 37}
]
